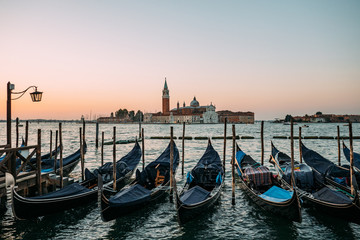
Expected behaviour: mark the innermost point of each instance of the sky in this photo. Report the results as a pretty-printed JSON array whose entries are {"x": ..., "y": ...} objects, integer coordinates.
[{"x": 92, "y": 57}]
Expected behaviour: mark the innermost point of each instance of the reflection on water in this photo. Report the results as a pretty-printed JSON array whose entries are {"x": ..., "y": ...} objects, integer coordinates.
[{"x": 242, "y": 221}]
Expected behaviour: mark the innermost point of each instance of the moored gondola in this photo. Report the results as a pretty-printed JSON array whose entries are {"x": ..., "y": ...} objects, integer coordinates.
[
  {"x": 266, "y": 191},
  {"x": 149, "y": 186},
  {"x": 74, "y": 195},
  {"x": 69, "y": 163},
  {"x": 202, "y": 188},
  {"x": 328, "y": 172},
  {"x": 356, "y": 157},
  {"x": 325, "y": 198}
]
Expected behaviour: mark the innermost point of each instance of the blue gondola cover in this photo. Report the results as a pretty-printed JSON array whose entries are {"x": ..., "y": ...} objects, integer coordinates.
[
  {"x": 328, "y": 195},
  {"x": 133, "y": 195},
  {"x": 72, "y": 189},
  {"x": 276, "y": 194},
  {"x": 194, "y": 195}
]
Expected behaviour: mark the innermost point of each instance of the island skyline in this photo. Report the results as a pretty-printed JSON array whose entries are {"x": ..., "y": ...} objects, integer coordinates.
[{"x": 93, "y": 58}]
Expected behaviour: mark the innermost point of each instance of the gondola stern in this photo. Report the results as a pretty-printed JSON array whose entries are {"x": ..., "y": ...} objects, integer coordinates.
[
  {"x": 100, "y": 190},
  {"x": 299, "y": 206},
  {"x": 15, "y": 204}
]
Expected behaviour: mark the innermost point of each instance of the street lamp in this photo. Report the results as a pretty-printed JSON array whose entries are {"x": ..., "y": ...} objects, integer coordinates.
[{"x": 35, "y": 97}]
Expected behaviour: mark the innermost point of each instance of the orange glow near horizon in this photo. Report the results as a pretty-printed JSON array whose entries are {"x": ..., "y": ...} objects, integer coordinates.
[{"x": 95, "y": 58}]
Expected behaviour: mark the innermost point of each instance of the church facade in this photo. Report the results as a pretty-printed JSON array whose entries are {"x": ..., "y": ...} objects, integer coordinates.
[{"x": 194, "y": 113}]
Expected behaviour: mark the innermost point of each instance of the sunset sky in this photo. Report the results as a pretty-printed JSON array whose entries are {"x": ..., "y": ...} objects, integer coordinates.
[{"x": 270, "y": 57}]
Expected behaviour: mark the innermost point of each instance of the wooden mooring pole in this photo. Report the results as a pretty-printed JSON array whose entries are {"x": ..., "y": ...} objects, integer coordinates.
[
  {"x": 143, "y": 148},
  {"x": 300, "y": 150},
  {"x": 26, "y": 133},
  {"x": 82, "y": 156},
  {"x": 38, "y": 163},
  {"x": 233, "y": 165},
  {"x": 262, "y": 143},
  {"x": 61, "y": 157},
  {"x": 140, "y": 131},
  {"x": 83, "y": 128},
  {"x": 171, "y": 163},
  {"x": 224, "y": 153},
  {"x": 183, "y": 150},
  {"x": 51, "y": 137},
  {"x": 17, "y": 132},
  {"x": 102, "y": 148},
  {"x": 292, "y": 153},
  {"x": 83, "y": 153},
  {"x": 114, "y": 159},
  {"x": 352, "y": 175},
  {"x": 56, "y": 149},
  {"x": 338, "y": 142},
  {"x": 97, "y": 135}
]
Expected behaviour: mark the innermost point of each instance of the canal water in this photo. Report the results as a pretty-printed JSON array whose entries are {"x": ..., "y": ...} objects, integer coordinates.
[{"x": 224, "y": 221}]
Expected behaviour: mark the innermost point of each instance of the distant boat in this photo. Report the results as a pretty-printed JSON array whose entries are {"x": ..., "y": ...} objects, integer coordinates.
[
  {"x": 125, "y": 141},
  {"x": 288, "y": 123}
]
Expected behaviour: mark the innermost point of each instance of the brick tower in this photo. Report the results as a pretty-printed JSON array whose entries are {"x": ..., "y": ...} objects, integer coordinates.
[{"x": 165, "y": 100}]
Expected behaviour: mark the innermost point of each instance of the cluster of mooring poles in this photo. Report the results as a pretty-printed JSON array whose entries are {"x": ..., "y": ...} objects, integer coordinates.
[{"x": 59, "y": 140}]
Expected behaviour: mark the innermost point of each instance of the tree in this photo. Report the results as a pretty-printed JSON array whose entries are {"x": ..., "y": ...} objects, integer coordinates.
[
  {"x": 121, "y": 113},
  {"x": 132, "y": 115},
  {"x": 288, "y": 118},
  {"x": 139, "y": 115},
  {"x": 318, "y": 113}
]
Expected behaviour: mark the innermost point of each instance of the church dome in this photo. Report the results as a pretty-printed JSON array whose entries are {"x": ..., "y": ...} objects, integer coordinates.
[{"x": 194, "y": 103}]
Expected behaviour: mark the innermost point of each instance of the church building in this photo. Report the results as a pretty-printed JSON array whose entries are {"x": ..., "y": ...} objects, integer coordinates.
[{"x": 194, "y": 113}]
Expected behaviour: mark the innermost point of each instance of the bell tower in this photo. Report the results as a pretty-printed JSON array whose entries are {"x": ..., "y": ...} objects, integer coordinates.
[{"x": 165, "y": 100}]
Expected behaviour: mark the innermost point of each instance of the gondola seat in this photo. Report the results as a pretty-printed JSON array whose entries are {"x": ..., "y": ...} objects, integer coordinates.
[
  {"x": 259, "y": 177},
  {"x": 304, "y": 177},
  {"x": 205, "y": 178},
  {"x": 159, "y": 178}
]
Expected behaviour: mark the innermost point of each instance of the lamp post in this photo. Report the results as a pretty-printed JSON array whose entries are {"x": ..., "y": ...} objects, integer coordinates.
[{"x": 35, "y": 97}]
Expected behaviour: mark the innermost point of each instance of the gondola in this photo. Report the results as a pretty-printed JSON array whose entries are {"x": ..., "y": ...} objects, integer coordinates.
[
  {"x": 327, "y": 171},
  {"x": 123, "y": 141},
  {"x": 202, "y": 188},
  {"x": 69, "y": 163},
  {"x": 148, "y": 187},
  {"x": 318, "y": 195},
  {"x": 266, "y": 191},
  {"x": 73, "y": 195},
  {"x": 33, "y": 160},
  {"x": 47, "y": 156},
  {"x": 356, "y": 157},
  {"x": 125, "y": 166}
]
